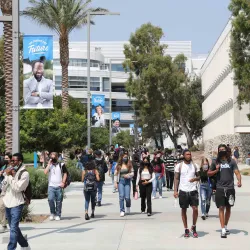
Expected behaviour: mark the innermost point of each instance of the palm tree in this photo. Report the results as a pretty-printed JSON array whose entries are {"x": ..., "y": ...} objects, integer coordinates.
[
  {"x": 61, "y": 16},
  {"x": 6, "y": 8}
]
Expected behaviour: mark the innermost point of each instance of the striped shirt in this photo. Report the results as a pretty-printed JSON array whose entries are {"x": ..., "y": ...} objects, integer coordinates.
[{"x": 170, "y": 162}]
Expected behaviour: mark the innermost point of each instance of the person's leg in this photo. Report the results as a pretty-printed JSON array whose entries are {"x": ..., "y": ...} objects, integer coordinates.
[
  {"x": 203, "y": 200},
  {"x": 2, "y": 213},
  {"x": 195, "y": 215},
  {"x": 143, "y": 197},
  {"x": 184, "y": 217},
  {"x": 127, "y": 193},
  {"x": 222, "y": 216},
  {"x": 99, "y": 190},
  {"x": 167, "y": 179},
  {"x": 194, "y": 203},
  {"x": 148, "y": 195},
  {"x": 184, "y": 204},
  {"x": 87, "y": 199},
  {"x": 134, "y": 186},
  {"x": 160, "y": 186},
  {"x": 93, "y": 195},
  {"x": 227, "y": 215},
  {"x": 15, "y": 233},
  {"x": 154, "y": 188},
  {"x": 209, "y": 196},
  {"x": 51, "y": 200},
  {"x": 121, "y": 190},
  {"x": 59, "y": 200},
  {"x": 171, "y": 178}
]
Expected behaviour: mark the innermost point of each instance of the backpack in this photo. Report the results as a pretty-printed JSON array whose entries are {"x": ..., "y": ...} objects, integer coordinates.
[
  {"x": 90, "y": 181},
  {"x": 102, "y": 169},
  {"x": 68, "y": 179},
  {"x": 27, "y": 193},
  {"x": 195, "y": 167}
]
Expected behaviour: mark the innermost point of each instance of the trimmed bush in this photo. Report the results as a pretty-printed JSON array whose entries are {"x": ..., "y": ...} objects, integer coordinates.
[{"x": 75, "y": 173}]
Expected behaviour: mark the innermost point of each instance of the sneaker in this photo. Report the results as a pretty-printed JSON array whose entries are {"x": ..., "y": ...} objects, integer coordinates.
[
  {"x": 168, "y": 189},
  {"x": 3, "y": 229},
  {"x": 207, "y": 215},
  {"x": 26, "y": 248},
  {"x": 187, "y": 233},
  {"x": 99, "y": 204},
  {"x": 153, "y": 197},
  {"x": 127, "y": 210},
  {"x": 223, "y": 234},
  {"x": 149, "y": 214},
  {"x": 113, "y": 191},
  {"x": 92, "y": 215},
  {"x": 87, "y": 217},
  {"x": 143, "y": 212},
  {"x": 203, "y": 217},
  {"x": 160, "y": 197},
  {"x": 227, "y": 232},
  {"x": 57, "y": 218},
  {"x": 52, "y": 217},
  {"x": 193, "y": 230},
  {"x": 122, "y": 214}
]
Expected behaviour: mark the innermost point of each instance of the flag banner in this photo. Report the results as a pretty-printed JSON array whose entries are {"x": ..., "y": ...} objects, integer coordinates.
[
  {"x": 131, "y": 129},
  {"x": 38, "y": 86},
  {"x": 116, "y": 122},
  {"x": 98, "y": 104}
]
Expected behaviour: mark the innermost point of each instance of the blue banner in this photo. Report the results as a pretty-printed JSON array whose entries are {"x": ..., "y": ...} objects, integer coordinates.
[
  {"x": 131, "y": 129},
  {"x": 98, "y": 104},
  {"x": 35, "y": 46},
  {"x": 116, "y": 116}
]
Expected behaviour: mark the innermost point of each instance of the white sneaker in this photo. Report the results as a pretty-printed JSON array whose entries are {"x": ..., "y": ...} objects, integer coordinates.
[
  {"x": 26, "y": 248},
  {"x": 52, "y": 217},
  {"x": 153, "y": 197},
  {"x": 127, "y": 210},
  {"x": 122, "y": 214},
  {"x": 160, "y": 197},
  {"x": 3, "y": 229},
  {"x": 57, "y": 218}
]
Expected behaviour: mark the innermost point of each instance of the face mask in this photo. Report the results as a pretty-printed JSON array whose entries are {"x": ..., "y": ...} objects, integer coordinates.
[
  {"x": 222, "y": 153},
  {"x": 54, "y": 160},
  {"x": 98, "y": 159},
  {"x": 125, "y": 160},
  {"x": 146, "y": 164},
  {"x": 205, "y": 167},
  {"x": 6, "y": 162}
]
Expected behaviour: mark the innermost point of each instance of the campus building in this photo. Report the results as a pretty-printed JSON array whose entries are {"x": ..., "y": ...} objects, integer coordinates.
[{"x": 224, "y": 122}]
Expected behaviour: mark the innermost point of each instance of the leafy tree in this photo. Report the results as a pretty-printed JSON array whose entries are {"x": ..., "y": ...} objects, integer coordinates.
[
  {"x": 240, "y": 47},
  {"x": 123, "y": 138},
  {"x": 99, "y": 138},
  {"x": 61, "y": 16}
]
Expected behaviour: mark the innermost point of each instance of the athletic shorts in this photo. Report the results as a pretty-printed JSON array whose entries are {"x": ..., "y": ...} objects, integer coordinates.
[
  {"x": 187, "y": 199},
  {"x": 224, "y": 197}
]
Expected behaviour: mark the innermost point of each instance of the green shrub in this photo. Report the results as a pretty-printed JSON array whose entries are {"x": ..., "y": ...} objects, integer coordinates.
[
  {"x": 39, "y": 183},
  {"x": 26, "y": 214},
  {"x": 245, "y": 173},
  {"x": 75, "y": 173},
  {"x": 194, "y": 148}
]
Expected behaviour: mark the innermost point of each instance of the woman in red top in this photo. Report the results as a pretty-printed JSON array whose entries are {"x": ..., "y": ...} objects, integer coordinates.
[{"x": 158, "y": 166}]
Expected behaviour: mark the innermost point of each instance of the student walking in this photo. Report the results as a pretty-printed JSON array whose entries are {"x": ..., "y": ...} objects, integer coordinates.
[
  {"x": 170, "y": 162},
  {"x": 90, "y": 177},
  {"x": 123, "y": 175},
  {"x": 205, "y": 188},
  {"x": 145, "y": 177},
  {"x": 225, "y": 168},
  {"x": 186, "y": 178}
]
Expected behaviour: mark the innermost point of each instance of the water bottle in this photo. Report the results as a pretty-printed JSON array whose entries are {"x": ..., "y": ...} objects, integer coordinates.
[{"x": 231, "y": 200}]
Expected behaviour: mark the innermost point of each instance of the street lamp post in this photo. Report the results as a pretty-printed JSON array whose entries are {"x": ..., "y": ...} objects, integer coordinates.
[{"x": 97, "y": 13}]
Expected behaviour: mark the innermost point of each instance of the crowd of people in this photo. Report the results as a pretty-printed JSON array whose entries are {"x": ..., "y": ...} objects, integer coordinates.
[{"x": 135, "y": 172}]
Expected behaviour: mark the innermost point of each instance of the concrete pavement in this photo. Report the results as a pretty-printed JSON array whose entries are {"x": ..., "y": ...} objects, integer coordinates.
[{"x": 164, "y": 230}]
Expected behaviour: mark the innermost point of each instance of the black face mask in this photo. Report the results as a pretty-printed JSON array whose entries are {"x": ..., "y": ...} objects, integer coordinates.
[
  {"x": 6, "y": 162},
  {"x": 146, "y": 164},
  {"x": 54, "y": 160},
  {"x": 222, "y": 153},
  {"x": 125, "y": 160}
]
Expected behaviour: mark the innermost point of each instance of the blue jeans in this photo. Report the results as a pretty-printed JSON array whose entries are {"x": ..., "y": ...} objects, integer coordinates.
[
  {"x": 14, "y": 216},
  {"x": 157, "y": 184},
  {"x": 89, "y": 195},
  {"x": 124, "y": 193},
  {"x": 79, "y": 165},
  {"x": 55, "y": 198},
  {"x": 206, "y": 194},
  {"x": 99, "y": 190}
]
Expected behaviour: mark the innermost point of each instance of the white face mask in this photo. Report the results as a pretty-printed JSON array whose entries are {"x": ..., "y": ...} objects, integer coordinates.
[{"x": 205, "y": 167}]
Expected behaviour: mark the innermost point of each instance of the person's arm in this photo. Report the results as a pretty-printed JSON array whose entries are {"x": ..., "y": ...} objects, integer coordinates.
[
  {"x": 83, "y": 175},
  {"x": 152, "y": 178},
  {"x": 48, "y": 95},
  {"x": 162, "y": 170},
  {"x": 47, "y": 169},
  {"x": 18, "y": 185},
  {"x": 197, "y": 174},
  {"x": 214, "y": 169},
  {"x": 97, "y": 175},
  {"x": 27, "y": 94},
  {"x": 131, "y": 174},
  {"x": 176, "y": 180},
  {"x": 64, "y": 177},
  {"x": 237, "y": 173},
  {"x": 138, "y": 177}
]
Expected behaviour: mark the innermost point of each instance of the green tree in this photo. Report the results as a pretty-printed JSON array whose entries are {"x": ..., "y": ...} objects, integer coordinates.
[
  {"x": 123, "y": 138},
  {"x": 99, "y": 138},
  {"x": 240, "y": 47},
  {"x": 61, "y": 16}
]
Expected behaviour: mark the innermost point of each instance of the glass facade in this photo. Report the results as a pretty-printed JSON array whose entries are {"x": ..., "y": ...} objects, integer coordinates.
[
  {"x": 74, "y": 62},
  {"x": 105, "y": 84}
]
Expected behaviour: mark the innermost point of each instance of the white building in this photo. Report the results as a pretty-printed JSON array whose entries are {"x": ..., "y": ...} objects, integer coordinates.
[
  {"x": 224, "y": 122},
  {"x": 101, "y": 54}
]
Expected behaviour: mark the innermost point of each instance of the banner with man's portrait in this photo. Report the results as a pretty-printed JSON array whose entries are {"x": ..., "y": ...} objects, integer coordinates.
[
  {"x": 98, "y": 104},
  {"x": 116, "y": 123},
  {"x": 131, "y": 129},
  {"x": 38, "y": 86}
]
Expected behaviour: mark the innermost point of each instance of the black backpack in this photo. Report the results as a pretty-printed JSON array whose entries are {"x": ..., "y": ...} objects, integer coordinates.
[
  {"x": 68, "y": 180},
  {"x": 27, "y": 193},
  {"x": 90, "y": 181}
]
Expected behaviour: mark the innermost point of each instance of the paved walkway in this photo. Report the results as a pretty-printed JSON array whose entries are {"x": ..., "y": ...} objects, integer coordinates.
[{"x": 163, "y": 230}]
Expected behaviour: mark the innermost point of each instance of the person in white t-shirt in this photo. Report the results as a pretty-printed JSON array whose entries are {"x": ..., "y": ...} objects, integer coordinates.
[
  {"x": 57, "y": 179},
  {"x": 186, "y": 178}
]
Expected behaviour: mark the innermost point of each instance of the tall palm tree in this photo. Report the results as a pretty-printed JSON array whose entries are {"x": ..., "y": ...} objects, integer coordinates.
[
  {"x": 61, "y": 16},
  {"x": 6, "y": 8}
]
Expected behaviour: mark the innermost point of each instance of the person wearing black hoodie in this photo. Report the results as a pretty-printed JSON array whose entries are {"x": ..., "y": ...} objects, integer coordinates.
[{"x": 136, "y": 166}]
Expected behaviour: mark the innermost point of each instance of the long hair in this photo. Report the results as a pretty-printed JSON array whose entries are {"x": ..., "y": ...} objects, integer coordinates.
[
  {"x": 150, "y": 167},
  {"x": 120, "y": 163},
  {"x": 204, "y": 159},
  {"x": 218, "y": 160}
]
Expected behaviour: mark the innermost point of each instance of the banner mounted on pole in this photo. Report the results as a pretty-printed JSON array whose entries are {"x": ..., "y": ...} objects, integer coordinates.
[
  {"x": 131, "y": 129},
  {"x": 116, "y": 123},
  {"x": 98, "y": 104},
  {"x": 38, "y": 86}
]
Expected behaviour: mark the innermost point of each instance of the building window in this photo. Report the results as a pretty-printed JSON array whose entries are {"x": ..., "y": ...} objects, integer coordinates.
[
  {"x": 118, "y": 67},
  {"x": 75, "y": 62},
  {"x": 105, "y": 84}
]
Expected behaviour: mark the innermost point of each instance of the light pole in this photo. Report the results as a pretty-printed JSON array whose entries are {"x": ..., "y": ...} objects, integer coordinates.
[{"x": 97, "y": 13}]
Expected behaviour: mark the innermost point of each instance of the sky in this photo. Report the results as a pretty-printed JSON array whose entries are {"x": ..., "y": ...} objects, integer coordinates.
[{"x": 199, "y": 21}]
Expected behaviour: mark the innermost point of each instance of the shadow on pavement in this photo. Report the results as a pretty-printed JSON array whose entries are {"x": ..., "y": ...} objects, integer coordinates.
[
  {"x": 106, "y": 204},
  {"x": 70, "y": 218},
  {"x": 236, "y": 231},
  {"x": 212, "y": 216}
]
